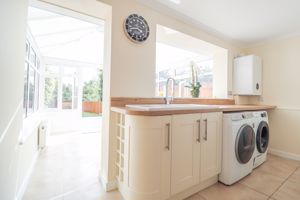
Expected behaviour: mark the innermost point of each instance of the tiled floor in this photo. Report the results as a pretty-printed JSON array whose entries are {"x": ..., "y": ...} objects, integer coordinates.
[
  {"x": 68, "y": 170},
  {"x": 277, "y": 179}
]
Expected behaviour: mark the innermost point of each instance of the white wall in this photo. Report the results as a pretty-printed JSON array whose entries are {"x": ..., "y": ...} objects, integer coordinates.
[
  {"x": 281, "y": 86},
  {"x": 28, "y": 153},
  {"x": 13, "y": 16}
]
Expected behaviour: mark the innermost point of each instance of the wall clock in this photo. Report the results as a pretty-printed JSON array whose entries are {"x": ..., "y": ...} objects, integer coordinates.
[{"x": 136, "y": 28}]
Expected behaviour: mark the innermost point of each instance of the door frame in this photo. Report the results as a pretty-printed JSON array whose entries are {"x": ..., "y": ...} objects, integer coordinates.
[{"x": 93, "y": 11}]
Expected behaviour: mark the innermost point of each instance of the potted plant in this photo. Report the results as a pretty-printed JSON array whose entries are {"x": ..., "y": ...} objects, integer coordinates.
[{"x": 194, "y": 85}]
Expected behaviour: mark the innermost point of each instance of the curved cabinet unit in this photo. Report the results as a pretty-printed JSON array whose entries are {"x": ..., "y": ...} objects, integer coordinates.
[
  {"x": 167, "y": 157},
  {"x": 149, "y": 157}
]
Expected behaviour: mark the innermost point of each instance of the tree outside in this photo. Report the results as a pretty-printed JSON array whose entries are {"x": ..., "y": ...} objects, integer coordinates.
[
  {"x": 92, "y": 96},
  {"x": 92, "y": 89},
  {"x": 51, "y": 92},
  {"x": 67, "y": 93}
]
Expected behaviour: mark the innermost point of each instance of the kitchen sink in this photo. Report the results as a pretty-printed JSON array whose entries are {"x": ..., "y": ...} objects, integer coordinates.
[{"x": 161, "y": 107}]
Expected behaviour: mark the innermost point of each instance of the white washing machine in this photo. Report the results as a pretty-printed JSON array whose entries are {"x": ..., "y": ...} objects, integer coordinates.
[
  {"x": 262, "y": 138},
  {"x": 238, "y": 146}
]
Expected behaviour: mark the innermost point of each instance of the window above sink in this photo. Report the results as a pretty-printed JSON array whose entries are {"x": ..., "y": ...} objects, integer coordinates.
[{"x": 178, "y": 54}]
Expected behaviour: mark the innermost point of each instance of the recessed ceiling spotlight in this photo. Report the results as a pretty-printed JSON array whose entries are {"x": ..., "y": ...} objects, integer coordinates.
[{"x": 175, "y": 1}]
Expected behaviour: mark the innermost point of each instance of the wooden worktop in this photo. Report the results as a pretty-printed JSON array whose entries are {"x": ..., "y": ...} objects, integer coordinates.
[
  {"x": 118, "y": 104},
  {"x": 239, "y": 108},
  {"x": 130, "y": 111},
  {"x": 123, "y": 101},
  {"x": 220, "y": 108}
]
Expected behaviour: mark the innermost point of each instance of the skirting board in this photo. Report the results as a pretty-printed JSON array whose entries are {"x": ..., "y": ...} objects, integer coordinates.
[
  {"x": 108, "y": 186},
  {"x": 284, "y": 154}
]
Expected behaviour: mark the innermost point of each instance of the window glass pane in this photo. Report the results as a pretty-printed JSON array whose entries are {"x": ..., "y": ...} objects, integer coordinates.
[
  {"x": 52, "y": 69},
  {"x": 75, "y": 94},
  {"x": 38, "y": 63},
  {"x": 92, "y": 80},
  {"x": 67, "y": 92},
  {"x": 70, "y": 70},
  {"x": 25, "y": 97},
  {"x": 27, "y": 50},
  {"x": 206, "y": 78},
  {"x": 51, "y": 91},
  {"x": 32, "y": 56},
  {"x": 31, "y": 90},
  {"x": 37, "y": 90},
  {"x": 181, "y": 68}
]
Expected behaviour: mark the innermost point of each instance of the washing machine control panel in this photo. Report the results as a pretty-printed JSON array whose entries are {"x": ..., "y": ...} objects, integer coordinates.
[
  {"x": 263, "y": 114},
  {"x": 247, "y": 115}
]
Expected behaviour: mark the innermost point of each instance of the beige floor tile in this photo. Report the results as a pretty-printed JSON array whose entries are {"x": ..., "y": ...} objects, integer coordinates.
[
  {"x": 263, "y": 182},
  {"x": 195, "y": 197},
  {"x": 278, "y": 158},
  {"x": 234, "y": 192},
  {"x": 295, "y": 177},
  {"x": 93, "y": 191},
  {"x": 278, "y": 166},
  {"x": 44, "y": 184},
  {"x": 69, "y": 169},
  {"x": 288, "y": 191}
]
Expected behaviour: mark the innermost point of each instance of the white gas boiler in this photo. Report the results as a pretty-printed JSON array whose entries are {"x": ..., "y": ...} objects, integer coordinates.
[{"x": 247, "y": 75}]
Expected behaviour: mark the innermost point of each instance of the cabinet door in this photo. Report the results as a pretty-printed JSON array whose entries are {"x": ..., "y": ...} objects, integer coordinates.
[
  {"x": 149, "y": 160},
  {"x": 185, "y": 152},
  {"x": 211, "y": 143}
]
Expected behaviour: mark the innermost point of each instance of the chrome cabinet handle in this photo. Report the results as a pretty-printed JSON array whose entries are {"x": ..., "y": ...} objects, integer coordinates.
[
  {"x": 205, "y": 136},
  {"x": 199, "y": 130},
  {"x": 168, "y": 137}
]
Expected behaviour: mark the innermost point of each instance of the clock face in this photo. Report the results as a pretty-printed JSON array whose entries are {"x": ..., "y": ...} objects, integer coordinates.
[{"x": 137, "y": 28}]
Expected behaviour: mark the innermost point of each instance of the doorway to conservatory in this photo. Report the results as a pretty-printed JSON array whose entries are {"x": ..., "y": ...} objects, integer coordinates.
[{"x": 63, "y": 86}]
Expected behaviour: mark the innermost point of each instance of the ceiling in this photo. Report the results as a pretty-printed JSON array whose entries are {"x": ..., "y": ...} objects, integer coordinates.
[
  {"x": 175, "y": 49},
  {"x": 64, "y": 37},
  {"x": 246, "y": 22}
]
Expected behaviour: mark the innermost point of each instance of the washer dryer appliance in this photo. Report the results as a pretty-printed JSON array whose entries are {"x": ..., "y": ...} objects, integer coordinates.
[
  {"x": 262, "y": 138},
  {"x": 238, "y": 146}
]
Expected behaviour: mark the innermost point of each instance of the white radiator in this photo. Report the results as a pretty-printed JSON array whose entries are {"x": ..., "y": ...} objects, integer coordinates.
[{"x": 43, "y": 134}]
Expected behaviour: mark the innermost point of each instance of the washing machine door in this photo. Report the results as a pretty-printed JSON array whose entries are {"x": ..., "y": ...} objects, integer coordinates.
[
  {"x": 262, "y": 137},
  {"x": 245, "y": 144}
]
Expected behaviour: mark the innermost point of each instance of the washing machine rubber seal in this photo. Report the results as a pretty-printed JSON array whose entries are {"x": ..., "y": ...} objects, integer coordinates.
[
  {"x": 245, "y": 144},
  {"x": 262, "y": 137}
]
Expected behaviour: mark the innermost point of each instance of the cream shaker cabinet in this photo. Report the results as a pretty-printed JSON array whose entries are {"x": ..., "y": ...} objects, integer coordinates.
[
  {"x": 185, "y": 152},
  {"x": 167, "y": 155},
  {"x": 196, "y": 149},
  {"x": 211, "y": 145}
]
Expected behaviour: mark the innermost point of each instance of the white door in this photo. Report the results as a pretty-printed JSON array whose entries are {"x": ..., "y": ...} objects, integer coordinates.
[
  {"x": 185, "y": 152},
  {"x": 211, "y": 138},
  {"x": 149, "y": 159}
]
